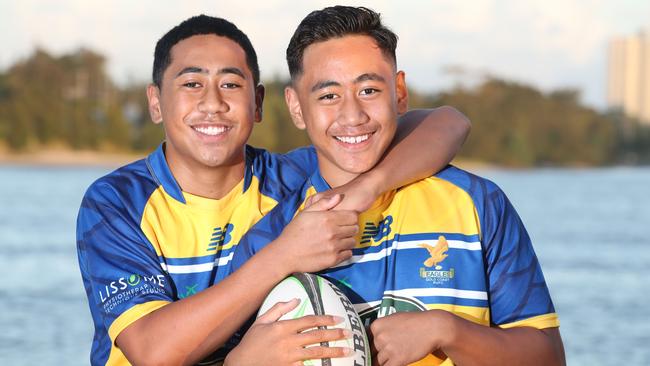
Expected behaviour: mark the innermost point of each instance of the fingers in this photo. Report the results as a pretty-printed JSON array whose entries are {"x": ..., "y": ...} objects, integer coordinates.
[
  {"x": 348, "y": 231},
  {"x": 345, "y": 217},
  {"x": 325, "y": 204},
  {"x": 312, "y": 321},
  {"x": 317, "y": 336},
  {"x": 316, "y": 352},
  {"x": 277, "y": 311},
  {"x": 382, "y": 358},
  {"x": 345, "y": 243},
  {"x": 378, "y": 358},
  {"x": 371, "y": 341},
  {"x": 313, "y": 199}
]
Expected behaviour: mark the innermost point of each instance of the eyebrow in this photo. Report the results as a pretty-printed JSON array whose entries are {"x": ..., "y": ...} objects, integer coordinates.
[
  {"x": 324, "y": 84},
  {"x": 232, "y": 70},
  {"x": 192, "y": 70},
  {"x": 369, "y": 76},
  {"x": 361, "y": 78},
  {"x": 199, "y": 70}
]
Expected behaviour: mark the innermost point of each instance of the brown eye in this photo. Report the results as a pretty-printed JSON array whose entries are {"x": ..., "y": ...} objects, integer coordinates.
[
  {"x": 369, "y": 91},
  {"x": 230, "y": 86},
  {"x": 327, "y": 97}
]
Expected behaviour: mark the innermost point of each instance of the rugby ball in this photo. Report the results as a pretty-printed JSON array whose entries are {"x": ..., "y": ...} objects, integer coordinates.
[{"x": 318, "y": 296}]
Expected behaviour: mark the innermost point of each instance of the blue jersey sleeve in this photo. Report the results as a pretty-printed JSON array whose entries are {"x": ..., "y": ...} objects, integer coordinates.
[
  {"x": 267, "y": 229},
  {"x": 281, "y": 174},
  {"x": 517, "y": 289},
  {"x": 121, "y": 271}
]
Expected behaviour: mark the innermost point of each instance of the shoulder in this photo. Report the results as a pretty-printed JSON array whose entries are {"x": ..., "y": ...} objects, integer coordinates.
[
  {"x": 482, "y": 191},
  {"x": 126, "y": 189},
  {"x": 280, "y": 174},
  {"x": 469, "y": 191},
  {"x": 471, "y": 183}
]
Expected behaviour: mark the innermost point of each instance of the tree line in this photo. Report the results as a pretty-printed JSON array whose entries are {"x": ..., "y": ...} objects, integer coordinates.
[{"x": 70, "y": 101}]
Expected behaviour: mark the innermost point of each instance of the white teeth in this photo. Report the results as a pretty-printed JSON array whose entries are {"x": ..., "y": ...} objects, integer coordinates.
[
  {"x": 212, "y": 130},
  {"x": 353, "y": 139}
]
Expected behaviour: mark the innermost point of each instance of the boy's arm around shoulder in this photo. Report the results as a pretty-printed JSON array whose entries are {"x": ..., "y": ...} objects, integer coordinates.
[{"x": 425, "y": 142}]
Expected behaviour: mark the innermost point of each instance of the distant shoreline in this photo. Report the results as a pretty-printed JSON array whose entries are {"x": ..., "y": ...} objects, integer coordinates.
[
  {"x": 56, "y": 157},
  {"x": 81, "y": 158},
  {"x": 91, "y": 158}
]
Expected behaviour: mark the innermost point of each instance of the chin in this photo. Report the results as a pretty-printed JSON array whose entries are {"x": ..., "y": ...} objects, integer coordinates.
[
  {"x": 358, "y": 168},
  {"x": 211, "y": 160}
]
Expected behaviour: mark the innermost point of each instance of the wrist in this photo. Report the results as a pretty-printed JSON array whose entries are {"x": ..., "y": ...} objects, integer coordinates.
[
  {"x": 276, "y": 261},
  {"x": 448, "y": 324},
  {"x": 281, "y": 259},
  {"x": 373, "y": 182}
]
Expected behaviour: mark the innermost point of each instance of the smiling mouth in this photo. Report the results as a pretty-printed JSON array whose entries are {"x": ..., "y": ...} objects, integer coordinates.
[
  {"x": 211, "y": 130},
  {"x": 354, "y": 139}
]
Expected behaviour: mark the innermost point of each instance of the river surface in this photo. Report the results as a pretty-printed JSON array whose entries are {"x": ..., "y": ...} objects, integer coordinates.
[{"x": 589, "y": 227}]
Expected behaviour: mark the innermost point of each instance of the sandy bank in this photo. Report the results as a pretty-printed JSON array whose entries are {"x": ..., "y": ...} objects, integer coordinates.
[{"x": 56, "y": 157}]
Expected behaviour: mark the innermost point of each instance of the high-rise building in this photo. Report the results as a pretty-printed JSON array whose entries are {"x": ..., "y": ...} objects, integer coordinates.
[{"x": 629, "y": 75}]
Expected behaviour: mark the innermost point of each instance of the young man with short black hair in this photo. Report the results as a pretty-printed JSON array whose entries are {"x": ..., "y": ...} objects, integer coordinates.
[{"x": 443, "y": 270}]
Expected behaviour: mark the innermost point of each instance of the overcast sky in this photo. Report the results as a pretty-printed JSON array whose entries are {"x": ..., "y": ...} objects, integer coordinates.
[{"x": 547, "y": 43}]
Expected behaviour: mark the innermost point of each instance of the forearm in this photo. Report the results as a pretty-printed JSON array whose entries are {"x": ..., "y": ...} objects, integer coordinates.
[
  {"x": 468, "y": 343},
  {"x": 425, "y": 142},
  {"x": 188, "y": 330}
]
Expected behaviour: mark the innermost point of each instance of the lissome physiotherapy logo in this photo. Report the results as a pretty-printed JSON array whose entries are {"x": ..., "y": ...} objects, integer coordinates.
[{"x": 126, "y": 287}]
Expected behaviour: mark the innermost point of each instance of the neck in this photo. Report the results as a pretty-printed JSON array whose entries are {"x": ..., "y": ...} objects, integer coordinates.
[
  {"x": 205, "y": 181},
  {"x": 333, "y": 175}
]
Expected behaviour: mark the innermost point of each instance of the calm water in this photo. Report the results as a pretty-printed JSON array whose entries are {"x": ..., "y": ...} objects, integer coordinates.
[{"x": 589, "y": 228}]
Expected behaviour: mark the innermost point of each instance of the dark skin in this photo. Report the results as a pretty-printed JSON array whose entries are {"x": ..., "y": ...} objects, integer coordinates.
[{"x": 403, "y": 338}]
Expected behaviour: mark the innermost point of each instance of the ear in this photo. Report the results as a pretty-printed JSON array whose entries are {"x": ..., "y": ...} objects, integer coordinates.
[
  {"x": 402, "y": 93},
  {"x": 259, "y": 101},
  {"x": 153, "y": 96},
  {"x": 293, "y": 103}
]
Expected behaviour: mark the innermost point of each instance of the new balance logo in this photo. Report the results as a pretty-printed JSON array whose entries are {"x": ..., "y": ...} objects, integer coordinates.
[
  {"x": 376, "y": 232},
  {"x": 220, "y": 236}
]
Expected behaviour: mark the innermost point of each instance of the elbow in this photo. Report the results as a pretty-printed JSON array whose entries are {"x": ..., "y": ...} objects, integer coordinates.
[
  {"x": 150, "y": 353},
  {"x": 147, "y": 357},
  {"x": 460, "y": 122},
  {"x": 157, "y": 358},
  {"x": 555, "y": 346}
]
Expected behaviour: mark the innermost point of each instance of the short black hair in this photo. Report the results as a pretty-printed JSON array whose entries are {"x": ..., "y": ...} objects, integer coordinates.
[
  {"x": 335, "y": 22},
  {"x": 197, "y": 25}
]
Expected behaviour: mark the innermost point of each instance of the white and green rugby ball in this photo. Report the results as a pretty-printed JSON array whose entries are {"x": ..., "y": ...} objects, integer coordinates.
[{"x": 318, "y": 296}]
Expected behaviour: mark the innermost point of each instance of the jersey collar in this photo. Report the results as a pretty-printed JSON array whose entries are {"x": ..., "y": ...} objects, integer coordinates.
[
  {"x": 159, "y": 169},
  {"x": 317, "y": 181}
]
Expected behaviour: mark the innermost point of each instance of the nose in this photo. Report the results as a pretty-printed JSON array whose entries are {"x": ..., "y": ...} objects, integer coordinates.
[
  {"x": 212, "y": 101},
  {"x": 352, "y": 112}
]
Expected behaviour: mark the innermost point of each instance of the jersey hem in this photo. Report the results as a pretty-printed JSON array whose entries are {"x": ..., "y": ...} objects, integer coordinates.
[
  {"x": 131, "y": 315},
  {"x": 539, "y": 322}
]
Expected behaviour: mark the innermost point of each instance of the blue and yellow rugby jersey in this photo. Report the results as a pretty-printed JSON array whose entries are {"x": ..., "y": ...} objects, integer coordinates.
[
  {"x": 143, "y": 243},
  {"x": 452, "y": 241}
]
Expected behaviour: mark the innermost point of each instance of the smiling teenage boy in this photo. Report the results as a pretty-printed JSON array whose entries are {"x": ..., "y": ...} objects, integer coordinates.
[
  {"x": 153, "y": 236},
  {"x": 443, "y": 269}
]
